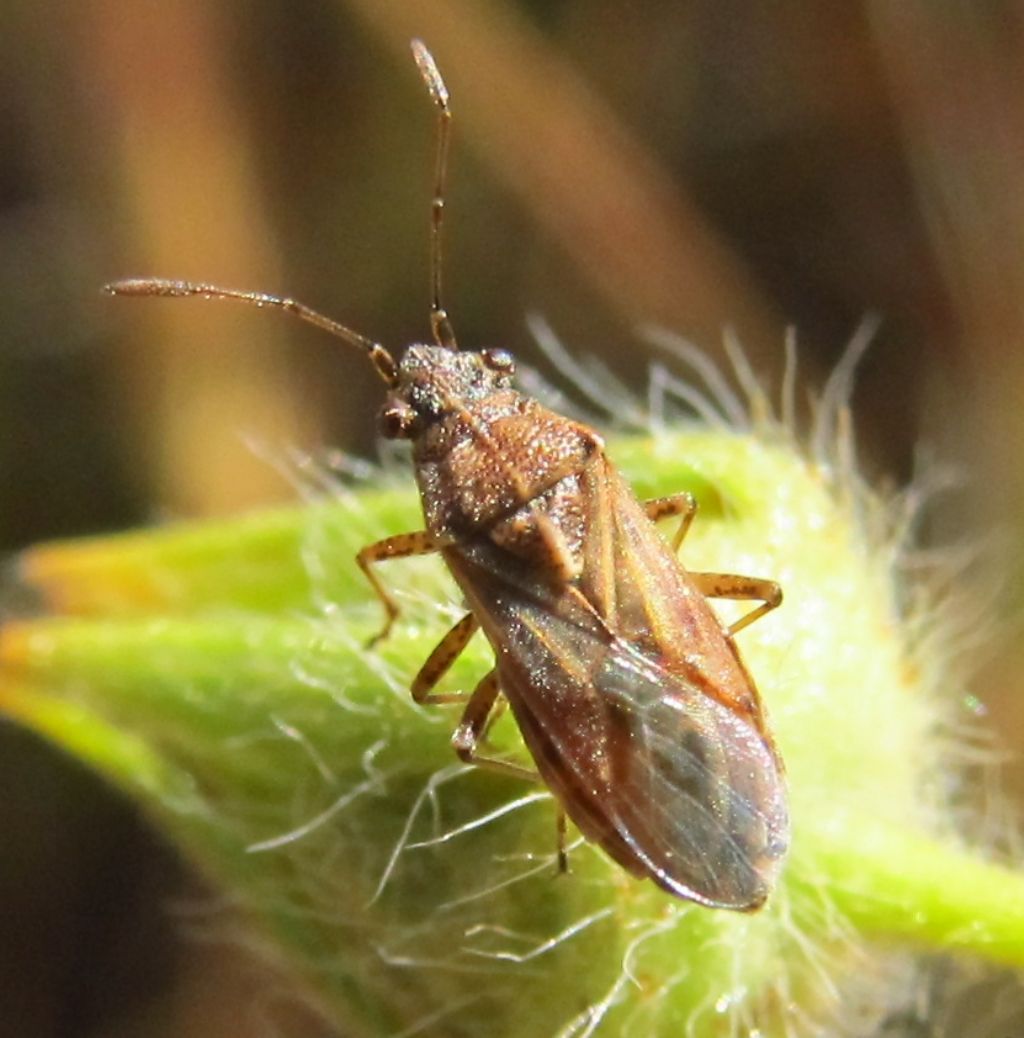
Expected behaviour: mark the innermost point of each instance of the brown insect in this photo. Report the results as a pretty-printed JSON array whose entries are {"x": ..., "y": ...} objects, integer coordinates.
[{"x": 630, "y": 694}]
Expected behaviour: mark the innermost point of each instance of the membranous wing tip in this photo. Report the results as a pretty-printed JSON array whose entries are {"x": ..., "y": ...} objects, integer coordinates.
[{"x": 697, "y": 790}]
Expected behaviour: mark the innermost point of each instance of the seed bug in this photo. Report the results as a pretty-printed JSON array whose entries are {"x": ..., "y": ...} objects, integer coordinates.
[{"x": 630, "y": 694}]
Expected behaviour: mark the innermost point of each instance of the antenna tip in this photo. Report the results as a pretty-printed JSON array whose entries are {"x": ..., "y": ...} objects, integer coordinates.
[
  {"x": 429, "y": 71},
  {"x": 155, "y": 287},
  {"x": 133, "y": 287}
]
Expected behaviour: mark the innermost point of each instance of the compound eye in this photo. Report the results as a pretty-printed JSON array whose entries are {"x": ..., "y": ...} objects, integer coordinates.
[
  {"x": 395, "y": 422},
  {"x": 500, "y": 361}
]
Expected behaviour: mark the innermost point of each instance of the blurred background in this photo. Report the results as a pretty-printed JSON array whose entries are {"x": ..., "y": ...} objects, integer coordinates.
[{"x": 693, "y": 165}]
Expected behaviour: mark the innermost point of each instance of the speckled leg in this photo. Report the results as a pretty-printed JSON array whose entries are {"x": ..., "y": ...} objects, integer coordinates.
[
  {"x": 401, "y": 545},
  {"x": 476, "y": 719},
  {"x": 684, "y": 505},
  {"x": 730, "y": 585},
  {"x": 445, "y": 653}
]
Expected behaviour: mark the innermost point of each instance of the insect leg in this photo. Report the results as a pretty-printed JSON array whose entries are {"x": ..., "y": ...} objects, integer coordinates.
[
  {"x": 399, "y": 546},
  {"x": 729, "y": 585},
  {"x": 445, "y": 653},
  {"x": 484, "y": 706},
  {"x": 476, "y": 719},
  {"x": 560, "y": 836},
  {"x": 684, "y": 505}
]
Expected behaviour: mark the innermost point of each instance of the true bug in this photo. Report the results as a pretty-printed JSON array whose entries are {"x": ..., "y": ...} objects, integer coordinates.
[{"x": 630, "y": 694}]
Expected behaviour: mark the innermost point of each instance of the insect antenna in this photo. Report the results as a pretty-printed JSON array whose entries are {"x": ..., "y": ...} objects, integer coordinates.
[
  {"x": 444, "y": 334},
  {"x": 380, "y": 358}
]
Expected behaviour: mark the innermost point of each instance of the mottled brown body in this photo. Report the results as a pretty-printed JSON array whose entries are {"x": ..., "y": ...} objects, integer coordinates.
[{"x": 629, "y": 693}]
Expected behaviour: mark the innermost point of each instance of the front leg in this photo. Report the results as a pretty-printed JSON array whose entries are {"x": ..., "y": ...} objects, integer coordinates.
[{"x": 398, "y": 546}]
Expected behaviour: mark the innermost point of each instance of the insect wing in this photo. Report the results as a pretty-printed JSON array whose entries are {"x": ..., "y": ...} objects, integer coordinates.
[
  {"x": 672, "y": 783},
  {"x": 695, "y": 790}
]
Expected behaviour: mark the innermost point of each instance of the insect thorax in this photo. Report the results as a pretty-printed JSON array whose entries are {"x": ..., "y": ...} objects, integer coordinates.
[{"x": 490, "y": 461}]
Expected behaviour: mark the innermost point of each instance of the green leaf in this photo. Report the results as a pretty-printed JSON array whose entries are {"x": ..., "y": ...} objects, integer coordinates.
[{"x": 217, "y": 674}]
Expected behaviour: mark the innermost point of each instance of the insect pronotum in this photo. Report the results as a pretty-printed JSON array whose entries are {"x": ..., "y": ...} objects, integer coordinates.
[{"x": 629, "y": 692}]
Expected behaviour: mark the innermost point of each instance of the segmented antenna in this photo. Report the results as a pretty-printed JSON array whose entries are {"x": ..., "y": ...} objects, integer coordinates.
[
  {"x": 382, "y": 361},
  {"x": 444, "y": 334}
]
